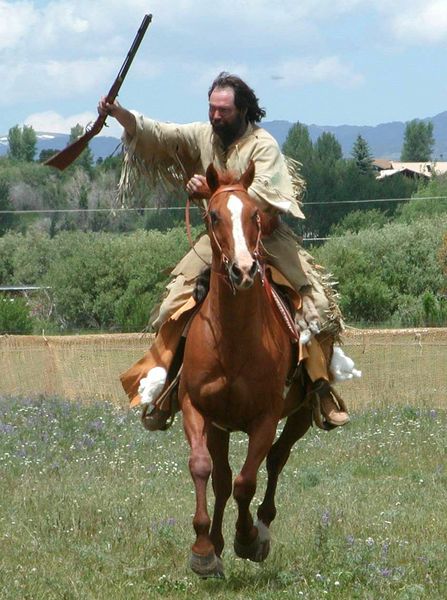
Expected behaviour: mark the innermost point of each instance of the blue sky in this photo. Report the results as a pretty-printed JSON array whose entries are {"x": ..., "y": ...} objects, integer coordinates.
[{"x": 327, "y": 62}]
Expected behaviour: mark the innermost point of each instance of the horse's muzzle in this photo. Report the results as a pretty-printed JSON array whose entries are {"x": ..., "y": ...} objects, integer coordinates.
[{"x": 243, "y": 277}]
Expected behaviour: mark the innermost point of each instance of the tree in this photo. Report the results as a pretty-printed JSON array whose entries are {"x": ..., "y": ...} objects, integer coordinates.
[
  {"x": 7, "y": 220},
  {"x": 29, "y": 143},
  {"x": 15, "y": 142},
  {"x": 46, "y": 154},
  {"x": 418, "y": 141},
  {"x": 298, "y": 144},
  {"x": 328, "y": 149},
  {"x": 362, "y": 155},
  {"x": 22, "y": 143}
]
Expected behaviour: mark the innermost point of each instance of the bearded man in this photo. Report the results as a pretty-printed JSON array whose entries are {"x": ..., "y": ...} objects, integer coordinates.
[{"x": 175, "y": 154}]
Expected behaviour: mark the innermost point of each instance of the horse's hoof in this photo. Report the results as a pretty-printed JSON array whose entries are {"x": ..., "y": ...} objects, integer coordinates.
[
  {"x": 206, "y": 566},
  {"x": 259, "y": 548}
]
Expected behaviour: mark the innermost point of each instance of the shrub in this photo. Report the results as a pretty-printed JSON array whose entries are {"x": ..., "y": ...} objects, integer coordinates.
[
  {"x": 14, "y": 316},
  {"x": 367, "y": 299},
  {"x": 111, "y": 281},
  {"x": 408, "y": 312},
  {"x": 360, "y": 219},
  {"x": 400, "y": 261}
]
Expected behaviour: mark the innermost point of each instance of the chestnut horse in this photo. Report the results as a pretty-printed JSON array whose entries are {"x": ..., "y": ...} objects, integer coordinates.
[{"x": 236, "y": 361}]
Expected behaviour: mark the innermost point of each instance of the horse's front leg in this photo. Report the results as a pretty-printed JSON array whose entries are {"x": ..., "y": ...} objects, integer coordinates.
[
  {"x": 203, "y": 560},
  {"x": 296, "y": 426},
  {"x": 218, "y": 442},
  {"x": 249, "y": 542}
]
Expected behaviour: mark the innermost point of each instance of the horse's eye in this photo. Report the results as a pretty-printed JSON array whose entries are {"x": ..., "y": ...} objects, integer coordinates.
[{"x": 214, "y": 217}]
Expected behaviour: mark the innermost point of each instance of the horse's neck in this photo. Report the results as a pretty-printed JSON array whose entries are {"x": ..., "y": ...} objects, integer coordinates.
[{"x": 240, "y": 310}]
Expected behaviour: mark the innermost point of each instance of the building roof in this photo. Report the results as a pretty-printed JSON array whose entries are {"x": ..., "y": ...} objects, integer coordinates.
[{"x": 387, "y": 168}]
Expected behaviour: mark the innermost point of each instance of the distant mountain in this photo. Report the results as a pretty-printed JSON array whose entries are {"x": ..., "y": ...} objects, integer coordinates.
[
  {"x": 385, "y": 140},
  {"x": 100, "y": 146}
]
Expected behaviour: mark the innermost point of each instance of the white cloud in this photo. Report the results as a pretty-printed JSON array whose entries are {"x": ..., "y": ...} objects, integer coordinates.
[
  {"x": 15, "y": 21},
  {"x": 423, "y": 22},
  {"x": 58, "y": 51},
  {"x": 54, "y": 79},
  {"x": 54, "y": 122},
  {"x": 303, "y": 71}
]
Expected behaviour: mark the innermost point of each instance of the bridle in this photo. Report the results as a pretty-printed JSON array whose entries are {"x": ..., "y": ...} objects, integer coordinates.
[{"x": 225, "y": 261}]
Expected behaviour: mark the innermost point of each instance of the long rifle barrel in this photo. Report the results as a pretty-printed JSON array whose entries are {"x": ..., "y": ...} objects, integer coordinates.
[{"x": 65, "y": 157}]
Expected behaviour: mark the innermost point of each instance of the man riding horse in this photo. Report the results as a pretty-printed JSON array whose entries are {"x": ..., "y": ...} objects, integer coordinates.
[{"x": 178, "y": 154}]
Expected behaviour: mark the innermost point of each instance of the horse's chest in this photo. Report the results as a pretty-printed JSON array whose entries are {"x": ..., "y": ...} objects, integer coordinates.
[
  {"x": 232, "y": 400},
  {"x": 225, "y": 388}
]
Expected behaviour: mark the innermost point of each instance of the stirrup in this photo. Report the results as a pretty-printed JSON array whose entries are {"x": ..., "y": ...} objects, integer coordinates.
[{"x": 318, "y": 391}]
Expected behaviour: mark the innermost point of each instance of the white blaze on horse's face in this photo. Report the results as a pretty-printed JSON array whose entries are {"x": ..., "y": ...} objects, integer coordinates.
[{"x": 243, "y": 267}]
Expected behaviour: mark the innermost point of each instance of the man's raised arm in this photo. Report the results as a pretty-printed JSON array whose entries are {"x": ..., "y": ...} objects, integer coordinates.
[{"x": 124, "y": 117}]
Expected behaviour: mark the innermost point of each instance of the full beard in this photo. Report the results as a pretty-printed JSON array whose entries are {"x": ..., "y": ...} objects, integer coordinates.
[{"x": 228, "y": 132}]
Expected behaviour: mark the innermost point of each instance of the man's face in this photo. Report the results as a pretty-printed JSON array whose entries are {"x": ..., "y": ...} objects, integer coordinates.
[{"x": 227, "y": 121}]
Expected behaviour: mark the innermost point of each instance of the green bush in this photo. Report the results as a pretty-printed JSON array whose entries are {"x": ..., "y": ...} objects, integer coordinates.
[
  {"x": 430, "y": 201},
  {"x": 435, "y": 309},
  {"x": 367, "y": 299},
  {"x": 111, "y": 281},
  {"x": 388, "y": 265},
  {"x": 93, "y": 280},
  {"x": 408, "y": 312},
  {"x": 360, "y": 219},
  {"x": 14, "y": 316}
]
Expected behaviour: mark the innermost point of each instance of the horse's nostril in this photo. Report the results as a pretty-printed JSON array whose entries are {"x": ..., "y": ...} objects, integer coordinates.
[
  {"x": 235, "y": 271},
  {"x": 253, "y": 269}
]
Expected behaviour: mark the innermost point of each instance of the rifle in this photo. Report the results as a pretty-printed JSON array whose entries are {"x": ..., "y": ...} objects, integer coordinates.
[{"x": 65, "y": 157}]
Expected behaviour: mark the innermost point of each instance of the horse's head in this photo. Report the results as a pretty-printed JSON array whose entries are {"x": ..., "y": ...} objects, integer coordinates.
[{"x": 234, "y": 225}]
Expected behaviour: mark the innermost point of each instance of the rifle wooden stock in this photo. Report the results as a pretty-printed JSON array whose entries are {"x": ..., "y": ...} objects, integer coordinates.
[{"x": 65, "y": 157}]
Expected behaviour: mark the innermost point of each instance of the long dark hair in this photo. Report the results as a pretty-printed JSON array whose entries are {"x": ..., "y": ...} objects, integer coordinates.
[{"x": 244, "y": 96}]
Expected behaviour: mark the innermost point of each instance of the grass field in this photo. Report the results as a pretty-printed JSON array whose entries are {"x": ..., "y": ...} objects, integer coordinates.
[{"x": 94, "y": 507}]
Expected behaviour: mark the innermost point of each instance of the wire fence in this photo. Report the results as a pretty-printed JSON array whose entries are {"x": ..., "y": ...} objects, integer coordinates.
[
  {"x": 182, "y": 208},
  {"x": 405, "y": 366}
]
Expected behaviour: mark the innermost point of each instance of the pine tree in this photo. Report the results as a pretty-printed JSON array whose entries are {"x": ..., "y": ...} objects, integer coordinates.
[{"x": 362, "y": 155}]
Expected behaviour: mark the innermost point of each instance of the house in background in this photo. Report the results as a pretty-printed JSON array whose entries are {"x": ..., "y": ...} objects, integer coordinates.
[{"x": 388, "y": 168}]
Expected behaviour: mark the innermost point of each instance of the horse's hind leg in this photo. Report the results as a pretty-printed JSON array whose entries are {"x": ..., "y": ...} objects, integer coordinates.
[
  {"x": 296, "y": 426},
  {"x": 203, "y": 560},
  {"x": 249, "y": 542},
  {"x": 218, "y": 442}
]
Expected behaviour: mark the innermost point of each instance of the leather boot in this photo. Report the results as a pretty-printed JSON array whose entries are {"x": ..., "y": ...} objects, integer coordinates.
[{"x": 329, "y": 408}]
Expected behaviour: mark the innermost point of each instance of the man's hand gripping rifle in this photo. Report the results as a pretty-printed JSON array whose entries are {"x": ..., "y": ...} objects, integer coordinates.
[{"x": 65, "y": 157}]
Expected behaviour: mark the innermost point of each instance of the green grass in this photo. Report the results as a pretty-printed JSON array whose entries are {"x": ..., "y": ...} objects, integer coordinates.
[{"x": 92, "y": 506}]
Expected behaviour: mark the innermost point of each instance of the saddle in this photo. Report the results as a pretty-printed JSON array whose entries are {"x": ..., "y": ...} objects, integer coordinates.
[{"x": 285, "y": 302}]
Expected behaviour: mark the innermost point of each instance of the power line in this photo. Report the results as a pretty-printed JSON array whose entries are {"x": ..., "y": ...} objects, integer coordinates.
[
  {"x": 163, "y": 208},
  {"x": 82, "y": 210},
  {"x": 377, "y": 200}
]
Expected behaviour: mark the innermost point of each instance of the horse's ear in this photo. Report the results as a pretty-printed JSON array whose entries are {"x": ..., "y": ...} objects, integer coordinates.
[
  {"x": 212, "y": 178},
  {"x": 247, "y": 177}
]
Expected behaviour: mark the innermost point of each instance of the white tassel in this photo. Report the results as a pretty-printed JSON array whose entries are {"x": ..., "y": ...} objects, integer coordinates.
[
  {"x": 342, "y": 367},
  {"x": 152, "y": 385}
]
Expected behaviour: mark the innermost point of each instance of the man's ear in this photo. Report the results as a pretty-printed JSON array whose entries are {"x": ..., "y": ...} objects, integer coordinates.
[
  {"x": 247, "y": 177},
  {"x": 212, "y": 178}
]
